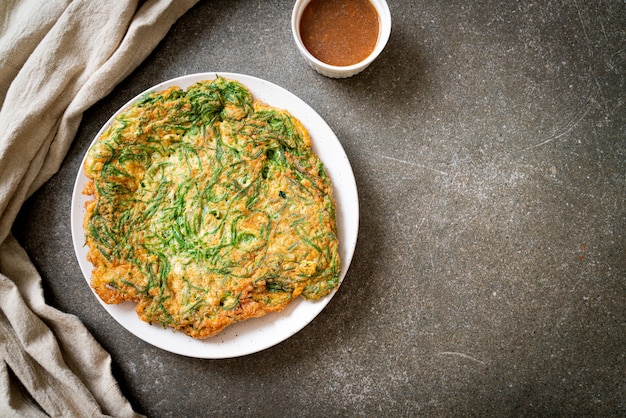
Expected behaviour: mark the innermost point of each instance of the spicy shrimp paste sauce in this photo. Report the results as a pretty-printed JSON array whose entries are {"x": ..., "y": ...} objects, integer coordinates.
[{"x": 340, "y": 32}]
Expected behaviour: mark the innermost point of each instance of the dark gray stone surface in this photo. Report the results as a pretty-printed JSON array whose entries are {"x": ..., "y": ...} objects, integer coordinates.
[{"x": 488, "y": 143}]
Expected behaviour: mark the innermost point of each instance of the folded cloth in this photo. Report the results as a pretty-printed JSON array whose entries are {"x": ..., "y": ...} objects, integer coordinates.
[{"x": 57, "y": 58}]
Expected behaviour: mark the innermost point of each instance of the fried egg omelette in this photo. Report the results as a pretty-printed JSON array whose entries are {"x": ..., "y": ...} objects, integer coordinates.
[{"x": 209, "y": 208}]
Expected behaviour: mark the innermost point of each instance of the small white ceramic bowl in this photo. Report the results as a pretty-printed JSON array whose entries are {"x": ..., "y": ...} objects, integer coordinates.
[{"x": 335, "y": 71}]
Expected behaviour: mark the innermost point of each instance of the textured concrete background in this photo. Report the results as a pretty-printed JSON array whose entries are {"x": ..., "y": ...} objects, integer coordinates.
[{"x": 488, "y": 143}]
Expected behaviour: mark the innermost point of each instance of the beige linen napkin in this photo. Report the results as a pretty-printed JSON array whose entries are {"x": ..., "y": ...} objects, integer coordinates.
[{"x": 57, "y": 58}]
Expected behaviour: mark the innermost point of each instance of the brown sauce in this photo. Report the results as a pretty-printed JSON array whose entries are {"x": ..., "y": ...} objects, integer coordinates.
[{"x": 340, "y": 32}]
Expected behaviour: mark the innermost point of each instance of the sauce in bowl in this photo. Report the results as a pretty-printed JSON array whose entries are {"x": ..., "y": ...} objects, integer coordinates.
[{"x": 340, "y": 32}]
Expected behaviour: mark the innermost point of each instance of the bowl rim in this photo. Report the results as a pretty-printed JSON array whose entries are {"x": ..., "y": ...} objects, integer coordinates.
[{"x": 384, "y": 15}]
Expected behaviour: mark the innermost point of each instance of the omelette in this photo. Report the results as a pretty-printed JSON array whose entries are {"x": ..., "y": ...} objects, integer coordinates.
[{"x": 209, "y": 208}]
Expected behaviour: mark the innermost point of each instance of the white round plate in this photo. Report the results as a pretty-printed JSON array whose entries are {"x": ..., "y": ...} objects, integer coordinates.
[{"x": 255, "y": 334}]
